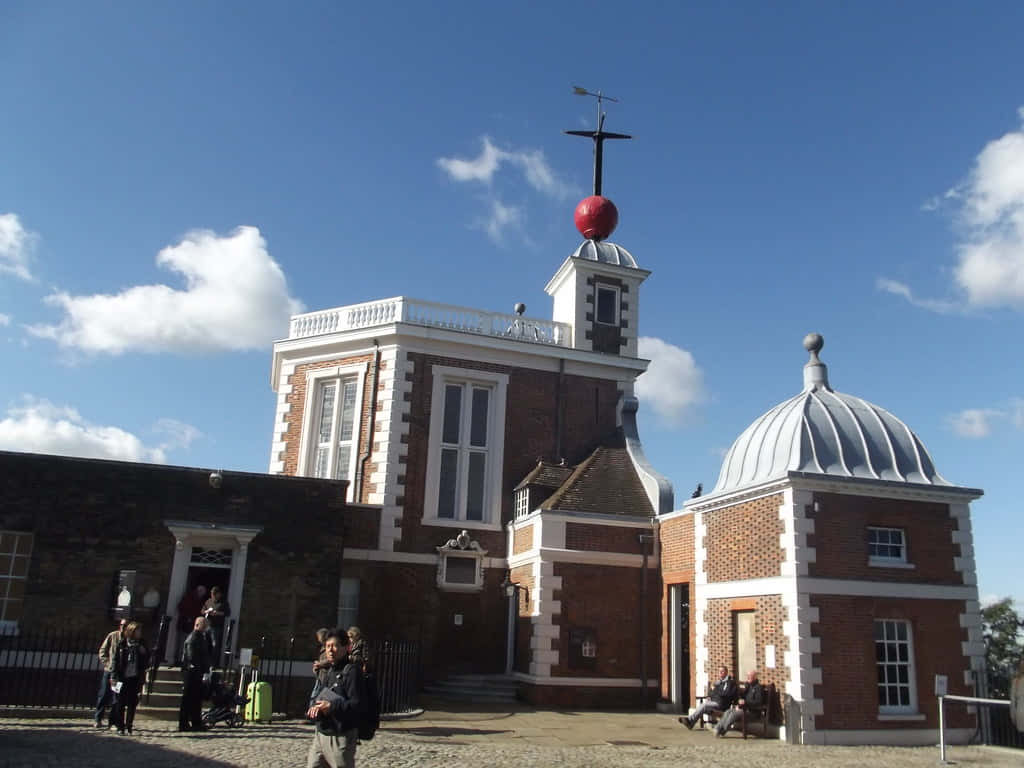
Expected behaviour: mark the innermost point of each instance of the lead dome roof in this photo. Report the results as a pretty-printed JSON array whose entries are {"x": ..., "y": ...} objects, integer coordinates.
[{"x": 824, "y": 432}]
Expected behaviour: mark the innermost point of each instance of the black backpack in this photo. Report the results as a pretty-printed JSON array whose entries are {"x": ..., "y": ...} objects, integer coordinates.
[{"x": 369, "y": 717}]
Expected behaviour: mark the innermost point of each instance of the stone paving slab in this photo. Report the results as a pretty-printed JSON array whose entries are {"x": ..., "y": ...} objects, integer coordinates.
[{"x": 439, "y": 739}]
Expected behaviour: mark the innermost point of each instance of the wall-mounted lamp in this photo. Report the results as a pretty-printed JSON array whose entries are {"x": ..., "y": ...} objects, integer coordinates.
[{"x": 216, "y": 478}]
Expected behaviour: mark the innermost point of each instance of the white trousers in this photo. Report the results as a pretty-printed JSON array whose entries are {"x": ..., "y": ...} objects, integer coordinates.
[{"x": 329, "y": 751}]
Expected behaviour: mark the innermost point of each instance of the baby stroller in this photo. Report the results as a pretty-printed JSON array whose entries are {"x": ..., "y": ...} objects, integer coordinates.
[{"x": 223, "y": 702}]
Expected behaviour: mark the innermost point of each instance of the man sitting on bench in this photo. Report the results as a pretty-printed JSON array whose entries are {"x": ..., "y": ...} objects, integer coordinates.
[
  {"x": 721, "y": 698},
  {"x": 753, "y": 698}
]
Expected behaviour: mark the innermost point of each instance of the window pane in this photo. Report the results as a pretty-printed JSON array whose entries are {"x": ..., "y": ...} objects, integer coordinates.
[
  {"x": 901, "y": 630},
  {"x": 321, "y": 461},
  {"x": 879, "y": 631},
  {"x": 348, "y": 408},
  {"x": 344, "y": 460},
  {"x": 475, "y": 492},
  {"x": 447, "y": 484},
  {"x": 478, "y": 429},
  {"x": 606, "y": 306},
  {"x": 326, "y": 413},
  {"x": 460, "y": 570},
  {"x": 452, "y": 414}
]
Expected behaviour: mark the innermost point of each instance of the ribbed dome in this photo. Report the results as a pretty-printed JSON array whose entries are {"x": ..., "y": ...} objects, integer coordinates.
[
  {"x": 824, "y": 432},
  {"x": 606, "y": 253}
]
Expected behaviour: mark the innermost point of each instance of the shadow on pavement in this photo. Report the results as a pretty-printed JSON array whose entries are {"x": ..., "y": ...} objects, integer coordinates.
[
  {"x": 58, "y": 746},
  {"x": 445, "y": 731}
]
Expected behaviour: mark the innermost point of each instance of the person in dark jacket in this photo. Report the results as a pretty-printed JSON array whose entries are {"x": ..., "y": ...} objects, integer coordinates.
[
  {"x": 335, "y": 705},
  {"x": 128, "y": 673},
  {"x": 216, "y": 611},
  {"x": 753, "y": 698},
  {"x": 195, "y": 662},
  {"x": 721, "y": 698}
]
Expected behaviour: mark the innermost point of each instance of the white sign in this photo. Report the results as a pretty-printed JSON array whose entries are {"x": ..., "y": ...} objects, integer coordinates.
[
  {"x": 769, "y": 657},
  {"x": 458, "y": 619},
  {"x": 941, "y": 685},
  {"x": 245, "y": 657}
]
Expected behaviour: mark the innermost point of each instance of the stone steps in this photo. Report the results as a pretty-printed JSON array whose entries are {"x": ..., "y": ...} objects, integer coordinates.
[{"x": 475, "y": 688}]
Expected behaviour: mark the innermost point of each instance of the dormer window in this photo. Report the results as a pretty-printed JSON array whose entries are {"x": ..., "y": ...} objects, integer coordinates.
[
  {"x": 522, "y": 502},
  {"x": 607, "y": 305}
]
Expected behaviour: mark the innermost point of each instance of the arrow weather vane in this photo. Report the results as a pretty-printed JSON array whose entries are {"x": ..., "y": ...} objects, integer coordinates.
[{"x": 599, "y": 135}]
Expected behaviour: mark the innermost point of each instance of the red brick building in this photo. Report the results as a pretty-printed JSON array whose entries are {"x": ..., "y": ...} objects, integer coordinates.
[
  {"x": 834, "y": 559},
  {"x": 510, "y": 508}
]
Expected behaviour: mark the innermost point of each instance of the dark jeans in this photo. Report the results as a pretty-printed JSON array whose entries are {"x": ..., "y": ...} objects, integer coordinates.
[
  {"x": 190, "y": 712},
  {"x": 104, "y": 698},
  {"x": 216, "y": 635},
  {"x": 123, "y": 713}
]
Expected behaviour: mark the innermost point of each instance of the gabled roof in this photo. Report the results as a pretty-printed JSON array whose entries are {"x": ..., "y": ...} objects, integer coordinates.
[{"x": 606, "y": 482}]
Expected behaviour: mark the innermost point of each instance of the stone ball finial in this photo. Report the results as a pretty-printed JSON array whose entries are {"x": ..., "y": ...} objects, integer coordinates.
[
  {"x": 813, "y": 342},
  {"x": 519, "y": 308}
]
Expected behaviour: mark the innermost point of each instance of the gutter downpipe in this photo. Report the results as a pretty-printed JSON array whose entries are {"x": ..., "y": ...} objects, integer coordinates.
[{"x": 357, "y": 491}]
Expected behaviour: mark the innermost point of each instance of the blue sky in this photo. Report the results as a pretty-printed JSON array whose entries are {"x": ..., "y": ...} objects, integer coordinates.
[{"x": 176, "y": 178}]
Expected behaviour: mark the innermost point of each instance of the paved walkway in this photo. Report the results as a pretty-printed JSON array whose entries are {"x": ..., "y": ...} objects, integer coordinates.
[{"x": 446, "y": 738}]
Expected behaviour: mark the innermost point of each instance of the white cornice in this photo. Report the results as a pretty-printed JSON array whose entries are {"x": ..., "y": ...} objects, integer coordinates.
[
  {"x": 582, "y": 557},
  {"x": 778, "y": 585},
  {"x": 631, "y": 274},
  {"x": 469, "y": 346}
]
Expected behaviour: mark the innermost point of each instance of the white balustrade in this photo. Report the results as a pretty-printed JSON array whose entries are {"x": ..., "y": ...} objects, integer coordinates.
[{"x": 404, "y": 310}]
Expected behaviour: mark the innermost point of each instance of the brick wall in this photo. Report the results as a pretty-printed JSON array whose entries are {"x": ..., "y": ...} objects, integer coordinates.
[
  {"x": 769, "y": 614},
  {"x": 841, "y": 538},
  {"x": 522, "y": 540},
  {"x": 603, "y": 538},
  {"x": 523, "y": 576},
  {"x": 743, "y": 540},
  {"x": 92, "y": 518},
  {"x": 849, "y": 679},
  {"x": 588, "y": 414},
  {"x": 607, "y": 599},
  {"x": 676, "y": 541}
]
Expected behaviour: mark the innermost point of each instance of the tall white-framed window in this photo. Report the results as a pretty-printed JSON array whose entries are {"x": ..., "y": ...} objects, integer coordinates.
[
  {"x": 330, "y": 435},
  {"x": 606, "y": 304},
  {"x": 467, "y": 438},
  {"x": 15, "y": 553},
  {"x": 894, "y": 662},
  {"x": 886, "y": 545}
]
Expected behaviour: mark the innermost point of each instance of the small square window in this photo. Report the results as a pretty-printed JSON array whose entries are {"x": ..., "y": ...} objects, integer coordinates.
[{"x": 887, "y": 545}]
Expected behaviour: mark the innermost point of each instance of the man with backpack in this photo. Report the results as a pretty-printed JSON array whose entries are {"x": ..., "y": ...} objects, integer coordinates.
[{"x": 338, "y": 705}]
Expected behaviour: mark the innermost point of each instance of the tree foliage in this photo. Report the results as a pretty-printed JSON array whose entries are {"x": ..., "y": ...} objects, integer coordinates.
[{"x": 1004, "y": 645}]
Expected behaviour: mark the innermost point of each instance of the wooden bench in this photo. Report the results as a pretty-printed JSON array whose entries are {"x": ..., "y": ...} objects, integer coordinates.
[{"x": 747, "y": 714}]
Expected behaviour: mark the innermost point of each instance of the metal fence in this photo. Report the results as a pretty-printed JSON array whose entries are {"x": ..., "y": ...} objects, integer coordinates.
[
  {"x": 394, "y": 665},
  {"x": 995, "y": 726},
  {"x": 52, "y": 669}
]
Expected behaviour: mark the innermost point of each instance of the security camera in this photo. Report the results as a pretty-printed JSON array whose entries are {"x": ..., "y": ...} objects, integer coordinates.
[{"x": 216, "y": 478}]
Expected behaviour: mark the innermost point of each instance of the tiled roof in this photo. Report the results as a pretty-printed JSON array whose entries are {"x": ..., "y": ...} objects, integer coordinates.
[
  {"x": 605, "y": 482},
  {"x": 546, "y": 475}
]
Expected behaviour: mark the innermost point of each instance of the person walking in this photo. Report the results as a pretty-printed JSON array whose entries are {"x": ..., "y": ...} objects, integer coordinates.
[
  {"x": 105, "y": 696},
  {"x": 128, "y": 673},
  {"x": 335, "y": 705},
  {"x": 195, "y": 662}
]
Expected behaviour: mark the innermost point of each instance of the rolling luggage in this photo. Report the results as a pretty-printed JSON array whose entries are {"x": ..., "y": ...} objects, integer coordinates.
[{"x": 258, "y": 707}]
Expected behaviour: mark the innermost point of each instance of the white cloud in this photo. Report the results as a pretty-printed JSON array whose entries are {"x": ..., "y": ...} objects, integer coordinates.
[
  {"x": 902, "y": 289},
  {"x": 16, "y": 246},
  {"x": 4, "y": 319},
  {"x": 1017, "y": 412},
  {"x": 974, "y": 423},
  {"x": 500, "y": 218},
  {"x": 235, "y": 297},
  {"x": 673, "y": 383},
  {"x": 989, "y": 208},
  {"x": 39, "y": 426},
  {"x": 483, "y": 168}
]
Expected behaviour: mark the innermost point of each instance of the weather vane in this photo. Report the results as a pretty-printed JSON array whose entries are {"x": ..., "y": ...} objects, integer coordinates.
[{"x": 599, "y": 135}]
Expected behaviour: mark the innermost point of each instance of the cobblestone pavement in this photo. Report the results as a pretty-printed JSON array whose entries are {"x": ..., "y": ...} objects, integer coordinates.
[{"x": 495, "y": 739}]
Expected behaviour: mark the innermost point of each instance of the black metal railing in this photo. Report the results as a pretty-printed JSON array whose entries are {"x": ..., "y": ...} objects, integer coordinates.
[
  {"x": 395, "y": 666},
  {"x": 156, "y": 654},
  {"x": 49, "y": 669}
]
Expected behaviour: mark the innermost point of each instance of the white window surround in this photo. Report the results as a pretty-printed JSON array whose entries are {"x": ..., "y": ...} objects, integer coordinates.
[
  {"x": 614, "y": 289},
  {"x": 464, "y": 548},
  {"x": 498, "y": 383},
  {"x": 307, "y": 443},
  {"x": 522, "y": 503},
  {"x": 891, "y": 626}
]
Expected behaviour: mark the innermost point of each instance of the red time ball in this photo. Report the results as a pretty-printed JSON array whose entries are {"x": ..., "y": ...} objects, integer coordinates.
[{"x": 596, "y": 217}]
